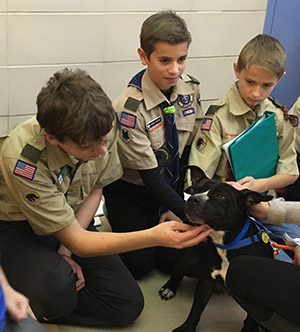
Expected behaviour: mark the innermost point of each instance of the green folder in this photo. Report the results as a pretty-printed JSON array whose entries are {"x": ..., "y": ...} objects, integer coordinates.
[{"x": 255, "y": 151}]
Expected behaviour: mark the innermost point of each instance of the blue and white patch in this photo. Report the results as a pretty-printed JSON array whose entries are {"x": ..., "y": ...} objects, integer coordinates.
[
  {"x": 185, "y": 100},
  {"x": 125, "y": 135},
  {"x": 128, "y": 120},
  {"x": 24, "y": 170},
  {"x": 188, "y": 111}
]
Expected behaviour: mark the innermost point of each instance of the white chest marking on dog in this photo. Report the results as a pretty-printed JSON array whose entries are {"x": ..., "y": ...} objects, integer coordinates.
[{"x": 218, "y": 238}]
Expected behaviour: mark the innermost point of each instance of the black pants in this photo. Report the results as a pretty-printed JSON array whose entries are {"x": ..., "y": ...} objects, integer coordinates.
[
  {"x": 269, "y": 290},
  {"x": 111, "y": 296},
  {"x": 132, "y": 208}
]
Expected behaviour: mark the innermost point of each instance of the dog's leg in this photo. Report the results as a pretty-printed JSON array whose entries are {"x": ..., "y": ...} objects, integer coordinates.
[
  {"x": 203, "y": 292},
  {"x": 168, "y": 291}
]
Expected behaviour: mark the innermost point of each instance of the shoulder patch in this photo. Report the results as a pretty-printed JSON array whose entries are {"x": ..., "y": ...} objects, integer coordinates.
[
  {"x": 31, "y": 153},
  {"x": 24, "y": 170},
  {"x": 294, "y": 120},
  {"x": 213, "y": 109},
  {"x": 132, "y": 103},
  {"x": 193, "y": 79},
  {"x": 206, "y": 124}
]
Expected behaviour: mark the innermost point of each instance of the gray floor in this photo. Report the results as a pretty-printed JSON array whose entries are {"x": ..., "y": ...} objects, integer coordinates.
[{"x": 221, "y": 315}]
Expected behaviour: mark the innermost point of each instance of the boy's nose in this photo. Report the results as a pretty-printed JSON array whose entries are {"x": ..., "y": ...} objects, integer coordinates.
[
  {"x": 174, "y": 68},
  {"x": 256, "y": 91}
]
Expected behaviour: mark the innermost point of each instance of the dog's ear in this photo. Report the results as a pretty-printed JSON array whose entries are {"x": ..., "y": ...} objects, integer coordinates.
[
  {"x": 197, "y": 175},
  {"x": 250, "y": 197}
]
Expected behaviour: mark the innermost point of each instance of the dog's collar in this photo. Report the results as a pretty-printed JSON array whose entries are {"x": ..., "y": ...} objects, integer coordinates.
[{"x": 239, "y": 242}]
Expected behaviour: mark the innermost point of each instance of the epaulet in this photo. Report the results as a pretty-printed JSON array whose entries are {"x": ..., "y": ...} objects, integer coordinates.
[
  {"x": 31, "y": 153},
  {"x": 132, "y": 103},
  {"x": 193, "y": 79},
  {"x": 212, "y": 109},
  {"x": 277, "y": 103}
]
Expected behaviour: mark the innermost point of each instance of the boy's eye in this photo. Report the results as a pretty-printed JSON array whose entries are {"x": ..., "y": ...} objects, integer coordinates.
[
  {"x": 182, "y": 59},
  {"x": 164, "y": 60}
]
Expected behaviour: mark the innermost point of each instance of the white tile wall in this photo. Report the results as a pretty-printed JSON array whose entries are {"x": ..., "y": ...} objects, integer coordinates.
[
  {"x": 235, "y": 5},
  {"x": 101, "y": 36},
  {"x": 56, "y": 5},
  {"x": 145, "y": 6},
  {"x": 3, "y": 39},
  {"x": 3, "y": 93},
  {"x": 53, "y": 39},
  {"x": 2, "y": 5}
]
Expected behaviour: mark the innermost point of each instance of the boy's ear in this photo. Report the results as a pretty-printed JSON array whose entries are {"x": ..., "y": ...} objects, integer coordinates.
[
  {"x": 50, "y": 138},
  {"x": 236, "y": 70},
  {"x": 143, "y": 56}
]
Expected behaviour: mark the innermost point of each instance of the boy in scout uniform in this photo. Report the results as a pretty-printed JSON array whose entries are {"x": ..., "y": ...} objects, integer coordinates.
[
  {"x": 158, "y": 99},
  {"x": 260, "y": 66},
  {"x": 52, "y": 170}
]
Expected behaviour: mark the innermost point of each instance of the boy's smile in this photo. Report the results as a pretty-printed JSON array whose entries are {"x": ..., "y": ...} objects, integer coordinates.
[
  {"x": 166, "y": 63},
  {"x": 255, "y": 84}
]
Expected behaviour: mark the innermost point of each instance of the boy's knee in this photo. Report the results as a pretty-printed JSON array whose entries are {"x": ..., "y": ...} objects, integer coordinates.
[{"x": 58, "y": 299}]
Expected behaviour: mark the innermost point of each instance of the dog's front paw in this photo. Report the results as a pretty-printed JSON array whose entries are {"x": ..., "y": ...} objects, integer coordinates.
[{"x": 166, "y": 293}]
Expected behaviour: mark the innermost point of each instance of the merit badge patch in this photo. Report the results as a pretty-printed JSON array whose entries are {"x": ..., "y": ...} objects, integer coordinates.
[
  {"x": 127, "y": 120},
  {"x": 185, "y": 101},
  {"x": 125, "y": 135},
  {"x": 206, "y": 124},
  {"x": 154, "y": 124},
  {"x": 24, "y": 170},
  {"x": 32, "y": 197},
  {"x": 189, "y": 111}
]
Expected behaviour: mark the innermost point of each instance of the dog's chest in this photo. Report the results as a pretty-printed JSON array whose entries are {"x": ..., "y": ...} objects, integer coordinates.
[{"x": 217, "y": 238}]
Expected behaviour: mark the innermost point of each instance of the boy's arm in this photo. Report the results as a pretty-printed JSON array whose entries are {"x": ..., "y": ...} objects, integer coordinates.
[
  {"x": 169, "y": 234},
  {"x": 273, "y": 182},
  {"x": 206, "y": 149}
]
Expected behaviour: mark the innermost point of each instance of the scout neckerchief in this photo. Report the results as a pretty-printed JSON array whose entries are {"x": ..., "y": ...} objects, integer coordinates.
[{"x": 172, "y": 144}]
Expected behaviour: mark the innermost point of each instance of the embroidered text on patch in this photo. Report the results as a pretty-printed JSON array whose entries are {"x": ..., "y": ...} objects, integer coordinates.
[
  {"x": 25, "y": 170},
  {"x": 127, "y": 120},
  {"x": 189, "y": 111},
  {"x": 206, "y": 124}
]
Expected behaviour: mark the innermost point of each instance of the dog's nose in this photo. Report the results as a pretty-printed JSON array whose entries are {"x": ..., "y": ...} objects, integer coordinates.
[{"x": 195, "y": 199}]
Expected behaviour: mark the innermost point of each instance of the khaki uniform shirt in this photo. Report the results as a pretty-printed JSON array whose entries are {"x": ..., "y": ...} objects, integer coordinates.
[
  {"x": 232, "y": 115},
  {"x": 296, "y": 111},
  {"x": 283, "y": 212},
  {"x": 142, "y": 123},
  {"x": 40, "y": 183}
]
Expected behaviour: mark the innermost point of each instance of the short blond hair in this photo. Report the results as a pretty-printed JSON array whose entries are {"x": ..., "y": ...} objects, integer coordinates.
[{"x": 264, "y": 51}]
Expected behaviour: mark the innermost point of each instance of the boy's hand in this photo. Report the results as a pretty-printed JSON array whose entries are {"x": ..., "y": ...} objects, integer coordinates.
[
  {"x": 168, "y": 215},
  {"x": 250, "y": 183},
  {"x": 178, "y": 235},
  {"x": 16, "y": 304},
  {"x": 80, "y": 283}
]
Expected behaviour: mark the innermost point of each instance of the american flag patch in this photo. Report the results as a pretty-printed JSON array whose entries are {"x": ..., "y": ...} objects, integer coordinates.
[
  {"x": 127, "y": 120},
  {"x": 24, "y": 170},
  {"x": 206, "y": 124}
]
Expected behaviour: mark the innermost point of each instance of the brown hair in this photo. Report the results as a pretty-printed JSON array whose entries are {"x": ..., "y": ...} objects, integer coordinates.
[
  {"x": 165, "y": 26},
  {"x": 264, "y": 51},
  {"x": 73, "y": 106}
]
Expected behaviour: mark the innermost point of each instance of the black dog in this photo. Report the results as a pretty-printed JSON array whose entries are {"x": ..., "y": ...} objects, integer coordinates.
[{"x": 224, "y": 209}]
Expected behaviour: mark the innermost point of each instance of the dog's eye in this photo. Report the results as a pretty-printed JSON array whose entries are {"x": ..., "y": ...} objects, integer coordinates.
[{"x": 219, "y": 195}]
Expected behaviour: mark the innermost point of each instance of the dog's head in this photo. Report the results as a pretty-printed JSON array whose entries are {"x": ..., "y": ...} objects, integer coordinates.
[{"x": 217, "y": 204}]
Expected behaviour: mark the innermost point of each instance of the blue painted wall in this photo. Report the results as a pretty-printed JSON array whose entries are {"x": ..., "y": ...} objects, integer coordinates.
[{"x": 283, "y": 22}]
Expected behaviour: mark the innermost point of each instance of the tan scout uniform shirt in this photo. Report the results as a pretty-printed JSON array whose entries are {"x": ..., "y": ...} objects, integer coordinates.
[
  {"x": 296, "y": 110},
  {"x": 229, "y": 119},
  {"x": 144, "y": 133},
  {"x": 43, "y": 192}
]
